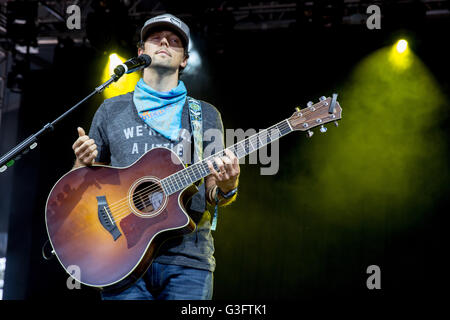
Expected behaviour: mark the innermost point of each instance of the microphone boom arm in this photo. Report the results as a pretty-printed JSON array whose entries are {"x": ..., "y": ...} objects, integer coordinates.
[{"x": 8, "y": 159}]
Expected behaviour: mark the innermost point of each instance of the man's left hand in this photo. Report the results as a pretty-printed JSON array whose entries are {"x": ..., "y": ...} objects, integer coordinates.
[{"x": 227, "y": 178}]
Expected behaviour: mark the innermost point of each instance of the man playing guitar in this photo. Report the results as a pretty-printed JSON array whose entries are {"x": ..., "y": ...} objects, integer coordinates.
[{"x": 156, "y": 114}]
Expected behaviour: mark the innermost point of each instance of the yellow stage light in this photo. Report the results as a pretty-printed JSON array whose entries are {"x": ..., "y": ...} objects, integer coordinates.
[
  {"x": 400, "y": 56},
  {"x": 402, "y": 45},
  {"x": 114, "y": 61},
  {"x": 125, "y": 84}
]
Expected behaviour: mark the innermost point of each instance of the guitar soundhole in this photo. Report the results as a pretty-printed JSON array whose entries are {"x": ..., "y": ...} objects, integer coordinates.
[{"x": 148, "y": 197}]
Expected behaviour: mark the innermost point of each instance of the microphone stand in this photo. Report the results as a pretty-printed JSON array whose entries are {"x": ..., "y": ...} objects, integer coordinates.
[{"x": 30, "y": 143}]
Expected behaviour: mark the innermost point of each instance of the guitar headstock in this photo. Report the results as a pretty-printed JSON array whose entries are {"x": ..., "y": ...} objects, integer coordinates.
[{"x": 318, "y": 114}]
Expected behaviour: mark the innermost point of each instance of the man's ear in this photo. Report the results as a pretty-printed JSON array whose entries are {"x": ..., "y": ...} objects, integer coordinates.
[
  {"x": 184, "y": 63},
  {"x": 141, "y": 47}
]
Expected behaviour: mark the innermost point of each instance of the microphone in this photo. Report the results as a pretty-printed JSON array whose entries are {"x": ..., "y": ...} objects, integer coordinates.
[{"x": 133, "y": 64}]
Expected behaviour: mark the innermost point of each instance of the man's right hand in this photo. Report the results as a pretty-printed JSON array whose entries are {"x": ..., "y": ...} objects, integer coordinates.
[{"x": 85, "y": 149}]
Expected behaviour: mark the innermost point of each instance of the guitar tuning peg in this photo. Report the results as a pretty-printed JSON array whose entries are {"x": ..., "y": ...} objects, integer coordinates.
[
  {"x": 297, "y": 109},
  {"x": 323, "y": 129},
  {"x": 336, "y": 124},
  {"x": 310, "y": 103},
  {"x": 309, "y": 133},
  {"x": 322, "y": 98}
]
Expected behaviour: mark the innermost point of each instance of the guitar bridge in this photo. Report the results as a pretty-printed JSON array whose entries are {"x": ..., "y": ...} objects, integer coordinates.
[{"x": 106, "y": 219}]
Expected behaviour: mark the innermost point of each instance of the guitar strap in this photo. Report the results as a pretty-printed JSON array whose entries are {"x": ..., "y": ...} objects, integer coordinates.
[{"x": 195, "y": 111}]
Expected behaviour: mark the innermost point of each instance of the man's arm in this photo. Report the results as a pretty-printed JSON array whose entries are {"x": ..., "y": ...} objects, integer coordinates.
[{"x": 211, "y": 190}]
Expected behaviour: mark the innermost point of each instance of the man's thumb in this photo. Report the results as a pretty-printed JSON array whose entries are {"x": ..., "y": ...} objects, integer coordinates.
[{"x": 81, "y": 131}]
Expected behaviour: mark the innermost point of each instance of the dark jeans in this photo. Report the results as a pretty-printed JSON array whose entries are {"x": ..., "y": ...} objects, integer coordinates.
[{"x": 168, "y": 282}]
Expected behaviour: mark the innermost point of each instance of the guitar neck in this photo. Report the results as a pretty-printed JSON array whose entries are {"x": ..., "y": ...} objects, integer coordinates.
[{"x": 200, "y": 169}]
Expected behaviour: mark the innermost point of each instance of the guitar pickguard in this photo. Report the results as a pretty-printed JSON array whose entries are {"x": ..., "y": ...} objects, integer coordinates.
[{"x": 134, "y": 227}]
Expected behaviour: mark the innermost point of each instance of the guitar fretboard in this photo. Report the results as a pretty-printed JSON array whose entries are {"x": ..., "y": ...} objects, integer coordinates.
[{"x": 200, "y": 169}]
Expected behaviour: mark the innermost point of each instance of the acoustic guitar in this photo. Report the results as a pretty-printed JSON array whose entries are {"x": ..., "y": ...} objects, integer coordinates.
[{"x": 109, "y": 222}]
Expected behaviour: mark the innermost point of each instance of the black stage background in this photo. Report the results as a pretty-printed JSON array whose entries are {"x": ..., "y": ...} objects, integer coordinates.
[{"x": 267, "y": 248}]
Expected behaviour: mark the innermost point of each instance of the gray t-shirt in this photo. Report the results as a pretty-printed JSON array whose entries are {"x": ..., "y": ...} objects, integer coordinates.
[{"x": 122, "y": 137}]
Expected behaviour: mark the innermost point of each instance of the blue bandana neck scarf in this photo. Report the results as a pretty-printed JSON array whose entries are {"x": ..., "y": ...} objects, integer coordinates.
[{"x": 161, "y": 110}]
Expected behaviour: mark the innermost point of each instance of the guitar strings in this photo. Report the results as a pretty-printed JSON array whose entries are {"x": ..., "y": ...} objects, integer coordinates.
[
  {"x": 283, "y": 123},
  {"x": 121, "y": 204},
  {"x": 144, "y": 191},
  {"x": 153, "y": 187},
  {"x": 117, "y": 206}
]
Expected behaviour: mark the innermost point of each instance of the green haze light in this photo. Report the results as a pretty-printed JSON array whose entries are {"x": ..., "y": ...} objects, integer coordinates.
[{"x": 387, "y": 158}]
